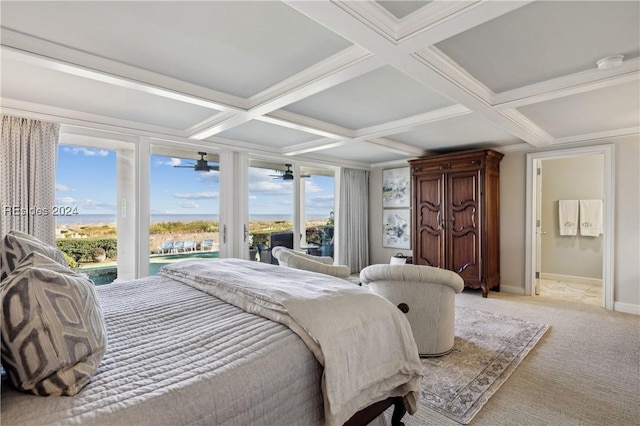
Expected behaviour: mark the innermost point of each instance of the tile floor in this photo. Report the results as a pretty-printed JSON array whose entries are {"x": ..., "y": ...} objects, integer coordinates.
[{"x": 583, "y": 293}]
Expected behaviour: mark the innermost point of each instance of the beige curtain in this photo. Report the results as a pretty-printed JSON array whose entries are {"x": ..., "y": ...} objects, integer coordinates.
[
  {"x": 353, "y": 241},
  {"x": 28, "y": 154}
]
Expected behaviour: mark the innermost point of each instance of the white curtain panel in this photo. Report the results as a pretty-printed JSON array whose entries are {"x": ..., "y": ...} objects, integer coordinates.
[
  {"x": 28, "y": 154},
  {"x": 353, "y": 222}
]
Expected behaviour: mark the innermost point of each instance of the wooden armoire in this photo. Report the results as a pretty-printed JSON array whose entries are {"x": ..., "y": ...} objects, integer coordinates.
[{"x": 456, "y": 222}]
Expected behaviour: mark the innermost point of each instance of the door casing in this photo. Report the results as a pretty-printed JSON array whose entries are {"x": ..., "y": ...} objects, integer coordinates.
[{"x": 532, "y": 203}]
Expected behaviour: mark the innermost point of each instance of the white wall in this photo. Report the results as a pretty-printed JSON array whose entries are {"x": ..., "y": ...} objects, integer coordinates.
[
  {"x": 576, "y": 178},
  {"x": 512, "y": 221}
]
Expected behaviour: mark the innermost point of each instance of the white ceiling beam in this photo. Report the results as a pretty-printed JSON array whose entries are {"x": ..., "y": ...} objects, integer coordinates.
[
  {"x": 221, "y": 122},
  {"x": 350, "y": 63},
  {"x": 313, "y": 146},
  {"x": 306, "y": 124},
  {"x": 398, "y": 147},
  {"x": 409, "y": 123},
  {"x": 430, "y": 24},
  {"x": 344, "y": 24}
]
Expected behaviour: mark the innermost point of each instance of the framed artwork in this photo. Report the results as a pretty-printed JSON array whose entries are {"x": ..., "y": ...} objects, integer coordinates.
[
  {"x": 396, "y": 228},
  {"x": 396, "y": 188}
]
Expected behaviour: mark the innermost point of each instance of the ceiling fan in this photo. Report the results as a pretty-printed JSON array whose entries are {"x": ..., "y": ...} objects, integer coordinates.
[
  {"x": 201, "y": 165},
  {"x": 287, "y": 174}
]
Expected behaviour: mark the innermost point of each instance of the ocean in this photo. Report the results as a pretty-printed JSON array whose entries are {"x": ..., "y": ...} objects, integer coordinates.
[{"x": 93, "y": 219}]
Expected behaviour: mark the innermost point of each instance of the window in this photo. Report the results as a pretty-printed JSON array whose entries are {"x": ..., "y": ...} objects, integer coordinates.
[
  {"x": 184, "y": 206},
  {"x": 274, "y": 206},
  {"x": 317, "y": 212},
  {"x": 94, "y": 206},
  {"x": 270, "y": 209}
]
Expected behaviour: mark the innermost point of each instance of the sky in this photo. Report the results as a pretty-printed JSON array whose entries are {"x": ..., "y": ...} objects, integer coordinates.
[{"x": 86, "y": 178}]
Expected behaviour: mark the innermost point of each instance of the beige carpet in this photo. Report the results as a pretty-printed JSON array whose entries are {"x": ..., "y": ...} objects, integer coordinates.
[{"x": 585, "y": 371}]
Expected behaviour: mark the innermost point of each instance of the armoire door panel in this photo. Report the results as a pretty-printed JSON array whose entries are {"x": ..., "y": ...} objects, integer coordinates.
[
  {"x": 430, "y": 249},
  {"x": 464, "y": 257}
]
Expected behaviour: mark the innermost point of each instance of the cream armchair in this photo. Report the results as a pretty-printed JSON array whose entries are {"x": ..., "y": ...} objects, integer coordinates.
[
  {"x": 427, "y": 297},
  {"x": 298, "y": 260}
]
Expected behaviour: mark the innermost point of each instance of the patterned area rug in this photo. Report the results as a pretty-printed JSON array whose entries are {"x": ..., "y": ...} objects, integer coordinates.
[{"x": 487, "y": 350}]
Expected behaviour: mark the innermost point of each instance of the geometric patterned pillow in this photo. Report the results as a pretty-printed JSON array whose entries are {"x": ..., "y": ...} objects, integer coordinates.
[
  {"x": 16, "y": 245},
  {"x": 53, "y": 333}
]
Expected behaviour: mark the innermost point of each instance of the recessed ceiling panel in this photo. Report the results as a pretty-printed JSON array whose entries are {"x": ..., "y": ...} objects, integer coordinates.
[
  {"x": 377, "y": 97},
  {"x": 465, "y": 130},
  {"x": 262, "y": 133},
  {"x": 402, "y": 8},
  {"x": 362, "y": 152},
  {"x": 611, "y": 108},
  {"x": 240, "y": 48},
  {"x": 30, "y": 83},
  {"x": 544, "y": 40}
]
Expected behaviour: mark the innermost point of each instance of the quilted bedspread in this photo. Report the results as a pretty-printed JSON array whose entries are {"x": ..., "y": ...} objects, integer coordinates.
[
  {"x": 364, "y": 342},
  {"x": 177, "y": 355}
]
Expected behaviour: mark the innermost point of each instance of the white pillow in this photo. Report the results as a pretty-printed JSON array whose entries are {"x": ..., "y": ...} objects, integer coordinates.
[
  {"x": 53, "y": 333},
  {"x": 16, "y": 245}
]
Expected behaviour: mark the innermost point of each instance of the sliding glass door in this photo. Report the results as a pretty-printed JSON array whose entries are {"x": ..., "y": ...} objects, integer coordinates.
[
  {"x": 317, "y": 210},
  {"x": 270, "y": 208},
  {"x": 95, "y": 206},
  {"x": 184, "y": 206}
]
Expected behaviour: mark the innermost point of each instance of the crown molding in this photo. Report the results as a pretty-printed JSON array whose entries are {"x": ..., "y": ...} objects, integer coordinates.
[
  {"x": 609, "y": 134},
  {"x": 83, "y": 119}
]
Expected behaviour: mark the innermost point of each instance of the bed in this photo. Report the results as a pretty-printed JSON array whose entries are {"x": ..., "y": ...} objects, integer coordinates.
[{"x": 185, "y": 349}]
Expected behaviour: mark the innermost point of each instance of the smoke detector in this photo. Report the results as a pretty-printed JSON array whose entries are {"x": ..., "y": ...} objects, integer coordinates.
[{"x": 610, "y": 62}]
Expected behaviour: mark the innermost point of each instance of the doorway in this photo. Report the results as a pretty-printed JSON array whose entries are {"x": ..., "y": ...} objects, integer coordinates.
[{"x": 535, "y": 228}]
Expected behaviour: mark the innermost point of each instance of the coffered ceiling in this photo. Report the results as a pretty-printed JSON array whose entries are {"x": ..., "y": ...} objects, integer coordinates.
[{"x": 348, "y": 82}]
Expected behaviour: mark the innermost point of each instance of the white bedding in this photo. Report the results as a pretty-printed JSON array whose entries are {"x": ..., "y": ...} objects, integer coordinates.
[
  {"x": 176, "y": 356},
  {"x": 364, "y": 342}
]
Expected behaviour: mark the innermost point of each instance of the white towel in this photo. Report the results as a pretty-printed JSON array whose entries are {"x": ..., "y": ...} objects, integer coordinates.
[
  {"x": 568, "y": 217},
  {"x": 590, "y": 218}
]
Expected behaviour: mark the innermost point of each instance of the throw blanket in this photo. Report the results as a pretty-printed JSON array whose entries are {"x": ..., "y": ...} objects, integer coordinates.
[{"x": 364, "y": 342}]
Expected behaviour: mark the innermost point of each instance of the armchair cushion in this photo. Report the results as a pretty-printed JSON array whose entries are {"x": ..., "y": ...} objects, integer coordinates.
[
  {"x": 416, "y": 273},
  {"x": 293, "y": 259}
]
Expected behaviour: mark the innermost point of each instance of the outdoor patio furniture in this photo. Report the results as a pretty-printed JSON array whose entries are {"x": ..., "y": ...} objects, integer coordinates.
[
  {"x": 207, "y": 245},
  {"x": 264, "y": 253},
  {"x": 178, "y": 246},
  {"x": 166, "y": 247},
  {"x": 283, "y": 239},
  {"x": 189, "y": 245}
]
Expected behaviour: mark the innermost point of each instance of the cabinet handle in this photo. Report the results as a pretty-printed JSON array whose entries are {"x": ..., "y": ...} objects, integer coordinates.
[{"x": 439, "y": 220}]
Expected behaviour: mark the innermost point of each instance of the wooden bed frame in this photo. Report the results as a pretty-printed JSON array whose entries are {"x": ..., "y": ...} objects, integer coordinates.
[{"x": 367, "y": 415}]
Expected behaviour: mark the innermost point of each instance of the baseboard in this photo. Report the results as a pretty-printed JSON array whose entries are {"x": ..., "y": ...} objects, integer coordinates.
[
  {"x": 572, "y": 279},
  {"x": 511, "y": 289},
  {"x": 627, "y": 308}
]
